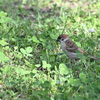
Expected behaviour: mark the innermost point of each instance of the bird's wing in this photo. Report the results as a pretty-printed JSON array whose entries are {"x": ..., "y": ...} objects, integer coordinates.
[
  {"x": 79, "y": 49},
  {"x": 71, "y": 46}
]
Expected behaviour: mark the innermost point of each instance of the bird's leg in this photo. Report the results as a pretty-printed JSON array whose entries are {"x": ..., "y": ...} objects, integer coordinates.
[{"x": 72, "y": 63}]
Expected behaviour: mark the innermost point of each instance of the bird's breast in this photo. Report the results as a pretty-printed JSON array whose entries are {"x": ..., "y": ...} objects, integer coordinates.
[
  {"x": 63, "y": 46},
  {"x": 72, "y": 55}
]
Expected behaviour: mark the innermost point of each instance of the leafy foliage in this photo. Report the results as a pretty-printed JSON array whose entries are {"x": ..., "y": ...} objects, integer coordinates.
[{"x": 32, "y": 66}]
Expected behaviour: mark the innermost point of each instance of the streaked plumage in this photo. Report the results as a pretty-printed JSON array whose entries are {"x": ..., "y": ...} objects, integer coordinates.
[{"x": 71, "y": 47}]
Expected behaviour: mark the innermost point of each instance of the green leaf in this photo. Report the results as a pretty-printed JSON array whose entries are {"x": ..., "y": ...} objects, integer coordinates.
[
  {"x": 74, "y": 82},
  {"x": 78, "y": 44},
  {"x": 77, "y": 82},
  {"x": 6, "y": 59},
  {"x": 1, "y": 49},
  {"x": 46, "y": 84},
  {"x": 3, "y": 14},
  {"x": 3, "y": 57},
  {"x": 7, "y": 69},
  {"x": 77, "y": 97},
  {"x": 3, "y": 43},
  {"x": 30, "y": 55},
  {"x": 8, "y": 19},
  {"x": 44, "y": 64},
  {"x": 6, "y": 81},
  {"x": 24, "y": 2},
  {"x": 23, "y": 51},
  {"x": 80, "y": 55},
  {"x": 34, "y": 71},
  {"x": 24, "y": 88},
  {"x": 11, "y": 84},
  {"x": 48, "y": 65},
  {"x": 70, "y": 81},
  {"x": 53, "y": 36},
  {"x": 35, "y": 39},
  {"x": 29, "y": 49},
  {"x": 53, "y": 82},
  {"x": 82, "y": 76},
  {"x": 63, "y": 69},
  {"x": 37, "y": 65},
  {"x": 22, "y": 71},
  {"x": 18, "y": 55}
]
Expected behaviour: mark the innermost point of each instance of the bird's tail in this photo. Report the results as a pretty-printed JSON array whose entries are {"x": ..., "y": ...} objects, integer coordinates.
[{"x": 94, "y": 58}]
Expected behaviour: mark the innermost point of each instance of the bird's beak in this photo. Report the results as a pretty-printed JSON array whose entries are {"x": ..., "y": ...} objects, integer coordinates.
[{"x": 57, "y": 40}]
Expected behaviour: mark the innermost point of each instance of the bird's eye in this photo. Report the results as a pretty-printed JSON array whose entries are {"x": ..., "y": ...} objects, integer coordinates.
[{"x": 62, "y": 39}]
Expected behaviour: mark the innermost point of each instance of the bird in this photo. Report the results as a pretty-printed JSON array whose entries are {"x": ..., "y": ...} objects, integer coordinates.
[{"x": 68, "y": 45}]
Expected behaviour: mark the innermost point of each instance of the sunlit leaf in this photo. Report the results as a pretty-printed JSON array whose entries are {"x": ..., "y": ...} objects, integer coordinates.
[
  {"x": 78, "y": 44},
  {"x": 21, "y": 71},
  {"x": 3, "y": 42},
  {"x": 23, "y": 51},
  {"x": 3, "y": 57},
  {"x": 53, "y": 82},
  {"x": 44, "y": 64},
  {"x": 35, "y": 39},
  {"x": 7, "y": 69},
  {"x": 77, "y": 97},
  {"x": 46, "y": 84},
  {"x": 53, "y": 36},
  {"x": 30, "y": 55},
  {"x": 82, "y": 77},
  {"x": 63, "y": 69},
  {"x": 29, "y": 49},
  {"x": 3, "y": 14}
]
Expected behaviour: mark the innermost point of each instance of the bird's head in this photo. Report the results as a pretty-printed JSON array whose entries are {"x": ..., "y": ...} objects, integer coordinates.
[{"x": 62, "y": 37}]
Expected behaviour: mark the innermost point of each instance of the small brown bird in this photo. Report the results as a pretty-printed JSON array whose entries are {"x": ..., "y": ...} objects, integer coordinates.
[{"x": 71, "y": 47}]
